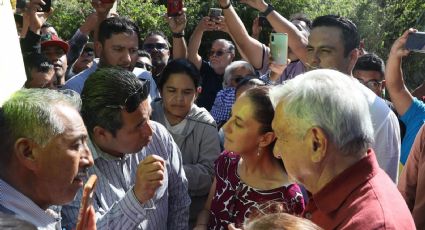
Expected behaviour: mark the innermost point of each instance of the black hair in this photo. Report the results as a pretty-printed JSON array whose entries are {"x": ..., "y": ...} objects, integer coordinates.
[
  {"x": 144, "y": 53},
  {"x": 180, "y": 66},
  {"x": 156, "y": 33},
  {"x": 302, "y": 17},
  {"x": 350, "y": 35},
  {"x": 117, "y": 25},
  {"x": 106, "y": 87},
  {"x": 370, "y": 62},
  {"x": 36, "y": 61}
]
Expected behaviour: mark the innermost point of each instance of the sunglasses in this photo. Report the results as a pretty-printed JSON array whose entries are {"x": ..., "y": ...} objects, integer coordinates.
[
  {"x": 144, "y": 65},
  {"x": 88, "y": 52},
  {"x": 218, "y": 53},
  {"x": 132, "y": 102},
  {"x": 158, "y": 46}
]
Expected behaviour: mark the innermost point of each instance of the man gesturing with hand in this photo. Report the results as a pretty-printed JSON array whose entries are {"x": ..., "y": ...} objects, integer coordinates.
[{"x": 142, "y": 184}]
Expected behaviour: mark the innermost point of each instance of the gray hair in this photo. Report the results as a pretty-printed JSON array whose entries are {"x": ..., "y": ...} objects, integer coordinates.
[
  {"x": 332, "y": 101},
  {"x": 30, "y": 113},
  {"x": 231, "y": 67}
]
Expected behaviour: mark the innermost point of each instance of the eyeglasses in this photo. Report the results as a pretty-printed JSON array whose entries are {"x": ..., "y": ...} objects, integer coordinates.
[
  {"x": 371, "y": 84},
  {"x": 144, "y": 65},
  {"x": 158, "y": 46},
  {"x": 133, "y": 100},
  {"x": 217, "y": 53}
]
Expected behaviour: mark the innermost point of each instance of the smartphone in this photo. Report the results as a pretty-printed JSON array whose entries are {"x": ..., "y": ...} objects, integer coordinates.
[
  {"x": 214, "y": 13},
  {"x": 174, "y": 7},
  {"x": 263, "y": 22},
  {"x": 416, "y": 42},
  {"x": 86, "y": 201},
  {"x": 46, "y": 7},
  {"x": 279, "y": 47}
]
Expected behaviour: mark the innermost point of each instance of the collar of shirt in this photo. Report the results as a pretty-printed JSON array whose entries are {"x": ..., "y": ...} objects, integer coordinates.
[
  {"x": 330, "y": 197},
  {"x": 26, "y": 209},
  {"x": 98, "y": 153}
]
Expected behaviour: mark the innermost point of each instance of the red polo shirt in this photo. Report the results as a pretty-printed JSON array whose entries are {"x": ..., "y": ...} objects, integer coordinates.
[{"x": 361, "y": 197}]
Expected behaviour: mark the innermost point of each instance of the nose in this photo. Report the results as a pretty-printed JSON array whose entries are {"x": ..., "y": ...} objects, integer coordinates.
[
  {"x": 147, "y": 129},
  {"x": 126, "y": 58},
  {"x": 86, "y": 157},
  {"x": 226, "y": 127}
]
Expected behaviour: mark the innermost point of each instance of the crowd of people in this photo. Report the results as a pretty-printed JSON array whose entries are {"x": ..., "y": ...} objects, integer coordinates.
[{"x": 181, "y": 141}]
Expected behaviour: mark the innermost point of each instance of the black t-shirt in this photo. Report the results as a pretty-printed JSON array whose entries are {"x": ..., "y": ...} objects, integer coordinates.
[{"x": 211, "y": 84}]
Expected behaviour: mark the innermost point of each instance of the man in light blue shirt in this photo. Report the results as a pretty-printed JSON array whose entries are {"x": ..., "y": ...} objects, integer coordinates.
[{"x": 141, "y": 181}]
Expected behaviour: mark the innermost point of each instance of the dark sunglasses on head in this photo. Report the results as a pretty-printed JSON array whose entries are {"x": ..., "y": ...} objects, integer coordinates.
[
  {"x": 158, "y": 46},
  {"x": 133, "y": 101},
  {"x": 218, "y": 53},
  {"x": 144, "y": 65}
]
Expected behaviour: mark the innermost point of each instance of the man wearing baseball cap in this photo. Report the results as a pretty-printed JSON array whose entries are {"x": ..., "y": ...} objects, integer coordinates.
[{"x": 55, "y": 50}]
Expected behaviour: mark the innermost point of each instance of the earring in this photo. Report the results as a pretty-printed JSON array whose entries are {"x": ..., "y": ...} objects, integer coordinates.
[{"x": 258, "y": 151}]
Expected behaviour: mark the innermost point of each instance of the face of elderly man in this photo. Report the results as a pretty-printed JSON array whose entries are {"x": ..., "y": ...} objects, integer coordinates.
[{"x": 294, "y": 145}]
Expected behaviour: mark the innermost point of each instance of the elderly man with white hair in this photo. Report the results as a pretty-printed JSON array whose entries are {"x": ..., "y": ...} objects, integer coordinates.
[{"x": 324, "y": 134}]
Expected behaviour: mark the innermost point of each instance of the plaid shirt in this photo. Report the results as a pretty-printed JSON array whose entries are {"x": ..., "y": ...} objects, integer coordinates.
[{"x": 223, "y": 105}]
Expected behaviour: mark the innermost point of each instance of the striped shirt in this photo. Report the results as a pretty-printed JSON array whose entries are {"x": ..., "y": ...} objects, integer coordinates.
[
  {"x": 114, "y": 201},
  {"x": 15, "y": 203}
]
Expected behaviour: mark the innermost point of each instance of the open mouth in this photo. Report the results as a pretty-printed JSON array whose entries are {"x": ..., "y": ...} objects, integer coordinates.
[{"x": 81, "y": 175}]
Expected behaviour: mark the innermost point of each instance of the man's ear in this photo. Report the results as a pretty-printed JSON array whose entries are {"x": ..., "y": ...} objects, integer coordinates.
[
  {"x": 24, "y": 149},
  {"x": 266, "y": 139},
  {"x": 98, "y": 48},
  {"x": 101, "y": 134},
  {"x": 353, "y": 55},
  {"x": 318, "y": 144}
]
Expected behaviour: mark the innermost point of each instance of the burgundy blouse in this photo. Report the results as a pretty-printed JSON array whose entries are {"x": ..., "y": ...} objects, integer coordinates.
[{"x": 234, "y": 201}]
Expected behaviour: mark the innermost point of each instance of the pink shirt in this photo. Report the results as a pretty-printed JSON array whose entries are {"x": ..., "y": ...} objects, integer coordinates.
[
  {"x": 412, "y": 180},
  {"x": 361, "y": 197}
]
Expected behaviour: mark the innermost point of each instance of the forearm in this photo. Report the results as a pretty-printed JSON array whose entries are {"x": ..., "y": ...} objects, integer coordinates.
[
  {"x": 297, "y": 41},
  {"x": 76, "y": 46},
  {"x": 179, "y": 48},
  {"x": 400, "y": 95},
  {"x": 250, "y": 47},
  {"x": 194, "y": 44}
]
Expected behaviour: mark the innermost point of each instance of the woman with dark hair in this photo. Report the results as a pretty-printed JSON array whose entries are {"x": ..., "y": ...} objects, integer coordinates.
[
  {"x": 247, "y": 175},
  {"x": 193, "y": 128}
]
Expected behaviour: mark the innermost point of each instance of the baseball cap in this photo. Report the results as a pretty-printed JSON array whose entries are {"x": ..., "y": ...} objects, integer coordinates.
[{"x": 53, "y": 40}]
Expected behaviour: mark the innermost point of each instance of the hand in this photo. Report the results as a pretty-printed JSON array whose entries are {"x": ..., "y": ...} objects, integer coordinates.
[
  {"x": 260, "y": 5},
  {"x": 89, "y": 24},
  {"x": 149, "y": 177},
  {"x": 398, "y": 50},
  {"x": 37, "y": 19},
  {"x": 232, "y": 227},
  {"x": 102, "y": 9},
  {"x": 206, "y": 24},
  {"x": 177, "y": 24},
  {"x": 91, "y": 219},
  {"x": 278, "y": 68},
  {"x": 220, "y": 25}
]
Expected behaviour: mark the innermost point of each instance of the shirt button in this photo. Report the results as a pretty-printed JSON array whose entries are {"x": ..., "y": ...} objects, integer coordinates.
[{"x": 308, "y": 215}]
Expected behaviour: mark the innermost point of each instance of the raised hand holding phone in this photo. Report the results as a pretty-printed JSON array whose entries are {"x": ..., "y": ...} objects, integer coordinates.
[
  {"x": 279, "y": 47},
  {"x": 416, "y": 42}
]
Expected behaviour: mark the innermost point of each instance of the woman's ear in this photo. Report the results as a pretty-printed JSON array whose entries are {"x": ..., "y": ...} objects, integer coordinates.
[{"x": 266, "y": 139}]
